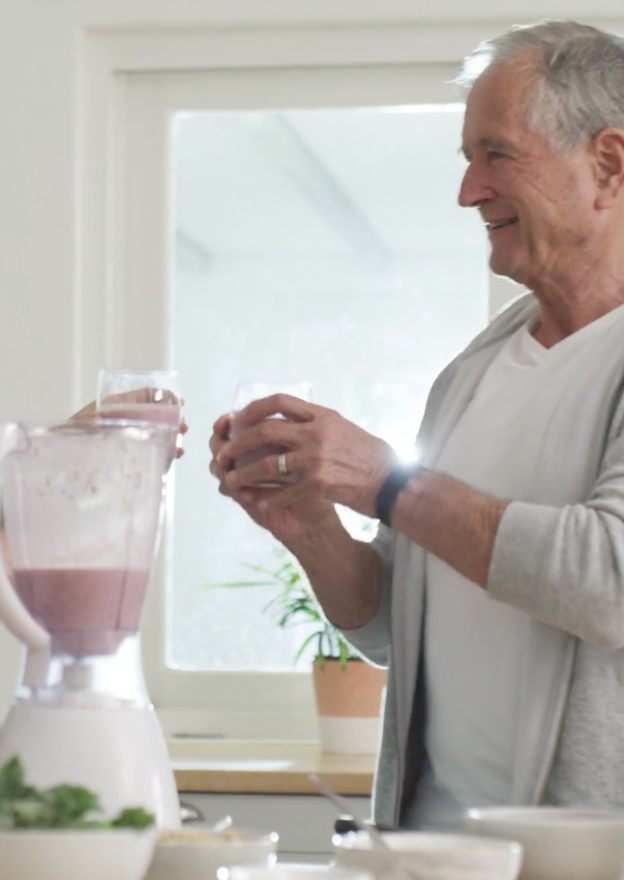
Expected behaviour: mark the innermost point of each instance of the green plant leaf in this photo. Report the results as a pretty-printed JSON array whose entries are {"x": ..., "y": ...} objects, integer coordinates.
[
  {"x": 310, "y": 639},
  {"x": 294, "y": 604}
]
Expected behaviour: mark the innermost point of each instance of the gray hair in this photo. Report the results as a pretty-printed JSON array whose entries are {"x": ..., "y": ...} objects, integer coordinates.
[{"x": 579, "y": 77}]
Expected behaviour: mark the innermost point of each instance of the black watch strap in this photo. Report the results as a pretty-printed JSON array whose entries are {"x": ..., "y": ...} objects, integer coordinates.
[{"x": 390, "y": 488}]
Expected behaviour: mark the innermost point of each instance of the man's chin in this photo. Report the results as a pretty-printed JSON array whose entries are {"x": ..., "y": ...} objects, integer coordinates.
[{"x": 506, "y": 268}]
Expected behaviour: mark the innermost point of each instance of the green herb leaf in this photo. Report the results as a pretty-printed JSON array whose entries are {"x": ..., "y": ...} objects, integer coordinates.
[
  {"x": 6, "y": 816},
  {"x": 12, "y": 783},
  {"x": 31, "y": 813},
  {"x": 70, "y": 803},
  {"x": 63, "y": 806},
  {"x": 133, "y": 817}
]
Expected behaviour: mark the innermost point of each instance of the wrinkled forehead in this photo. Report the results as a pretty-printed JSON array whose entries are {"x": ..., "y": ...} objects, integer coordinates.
[
  {"x": 500, "y": 98},
  {"x": 508, "y": 85}
]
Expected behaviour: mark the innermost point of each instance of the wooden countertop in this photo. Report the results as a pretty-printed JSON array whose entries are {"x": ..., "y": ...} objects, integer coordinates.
[{"x": 241, "y": 766}]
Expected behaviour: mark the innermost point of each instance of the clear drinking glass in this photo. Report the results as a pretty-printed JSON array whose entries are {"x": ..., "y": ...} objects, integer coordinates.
[
  {"x": 244, "y": 394},
  {"x": 146, "y": 395}
]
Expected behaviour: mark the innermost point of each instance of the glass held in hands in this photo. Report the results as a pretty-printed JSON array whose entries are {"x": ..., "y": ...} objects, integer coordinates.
[
  {"x": 144, "y": 395},
  {"x": 244, "y": 394}
]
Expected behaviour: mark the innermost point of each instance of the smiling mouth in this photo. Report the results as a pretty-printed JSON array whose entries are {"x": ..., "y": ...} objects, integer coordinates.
[{"x": 500, "y": 224}]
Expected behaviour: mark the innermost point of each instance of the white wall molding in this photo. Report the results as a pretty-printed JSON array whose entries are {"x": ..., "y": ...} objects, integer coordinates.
[
  {"x": 243, "y": 13},
  {"x": 208, "y": 47},
  {"x": 218, "y": 47}
]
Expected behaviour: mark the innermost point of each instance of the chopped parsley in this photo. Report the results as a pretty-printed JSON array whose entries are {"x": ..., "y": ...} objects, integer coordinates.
[{"x": 63, "y": 806}]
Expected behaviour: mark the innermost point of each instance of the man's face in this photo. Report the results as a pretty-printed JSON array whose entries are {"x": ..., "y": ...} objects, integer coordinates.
[{"x": 538, "y": 207}]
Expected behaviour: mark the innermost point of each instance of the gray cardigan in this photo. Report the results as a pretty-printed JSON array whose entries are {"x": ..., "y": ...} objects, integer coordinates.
[{"x": 560, "y": 559}]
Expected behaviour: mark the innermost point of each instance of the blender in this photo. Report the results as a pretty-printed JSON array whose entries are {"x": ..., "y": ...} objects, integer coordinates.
[{"x": 81, "y": 508}]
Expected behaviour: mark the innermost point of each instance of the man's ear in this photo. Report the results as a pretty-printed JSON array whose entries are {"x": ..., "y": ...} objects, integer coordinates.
[{"x": 608, "y": 152}]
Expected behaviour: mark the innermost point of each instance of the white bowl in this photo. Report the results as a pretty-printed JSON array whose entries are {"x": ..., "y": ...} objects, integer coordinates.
[
  {"x": 417, "y": 854},
  {"x": 83, "y": 854},
  {"x": 285, "y": 871},
  {"x": 197, "y": 853},
  {"x": 560, "y": 843}
]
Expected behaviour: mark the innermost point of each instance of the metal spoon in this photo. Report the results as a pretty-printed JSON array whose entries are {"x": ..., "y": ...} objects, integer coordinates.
[
  {"x": 190, "y": 813},
  {"x": 395, "y": 871},
  {"x": 344, "y": 806},
  {"x": 222, "y": 825}
]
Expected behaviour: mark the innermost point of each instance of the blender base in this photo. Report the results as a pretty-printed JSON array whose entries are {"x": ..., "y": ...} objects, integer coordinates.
[{"x": 120, "y": 754}]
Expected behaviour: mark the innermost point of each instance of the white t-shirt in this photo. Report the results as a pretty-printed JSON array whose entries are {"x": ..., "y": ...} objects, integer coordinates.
[{"x": 473, "y": 644}]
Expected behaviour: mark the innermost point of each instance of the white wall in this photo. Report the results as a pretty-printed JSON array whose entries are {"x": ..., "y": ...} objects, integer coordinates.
[{"x": 57, "y": 288}]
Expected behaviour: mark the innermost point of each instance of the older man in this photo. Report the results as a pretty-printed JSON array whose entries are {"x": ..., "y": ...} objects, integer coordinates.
[{"x": 494, "y": 590}]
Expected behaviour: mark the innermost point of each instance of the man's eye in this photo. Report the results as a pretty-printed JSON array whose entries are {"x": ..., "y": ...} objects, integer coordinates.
[{"x": 493, "y": 155}]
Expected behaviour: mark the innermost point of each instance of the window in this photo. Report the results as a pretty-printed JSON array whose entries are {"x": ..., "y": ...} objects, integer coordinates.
[
  {"x": 322, "y": 245},
  {"x": 364, "y": 239}
]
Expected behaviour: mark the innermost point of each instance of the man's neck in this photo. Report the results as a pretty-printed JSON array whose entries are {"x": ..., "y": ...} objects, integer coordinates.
[{"x": 564, "y": 312}]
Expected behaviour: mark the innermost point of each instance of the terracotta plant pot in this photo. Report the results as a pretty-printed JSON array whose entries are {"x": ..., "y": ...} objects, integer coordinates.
[{"x": 348, "y": 702}]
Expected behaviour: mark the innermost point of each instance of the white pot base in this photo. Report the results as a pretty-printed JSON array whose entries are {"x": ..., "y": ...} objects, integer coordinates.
[{"x": 349, "y": 736}]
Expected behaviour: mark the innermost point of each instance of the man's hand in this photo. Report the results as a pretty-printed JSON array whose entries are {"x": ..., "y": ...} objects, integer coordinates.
[
  {"x": 331, "y": 461},
  {"x": 327, "y": 458},
  {"x": 287, "y": 522}
]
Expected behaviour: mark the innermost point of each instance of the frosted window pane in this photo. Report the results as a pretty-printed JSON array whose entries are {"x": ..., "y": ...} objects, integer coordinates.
[{"x": 318, "y": 245}]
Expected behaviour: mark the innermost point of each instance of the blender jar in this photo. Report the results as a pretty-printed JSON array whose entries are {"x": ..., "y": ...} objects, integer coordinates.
[{"x": 81, "y": 509}]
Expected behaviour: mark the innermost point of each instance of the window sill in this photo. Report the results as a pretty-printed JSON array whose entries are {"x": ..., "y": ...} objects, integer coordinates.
[{"x": 265, "y": 767}]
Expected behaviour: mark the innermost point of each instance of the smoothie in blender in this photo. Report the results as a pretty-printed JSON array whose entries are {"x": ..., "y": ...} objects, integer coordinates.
[{"x": 85, "y": 610}]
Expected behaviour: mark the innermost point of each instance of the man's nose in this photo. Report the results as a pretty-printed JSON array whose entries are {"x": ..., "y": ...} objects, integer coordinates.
[{"x": 474, "y": 189}]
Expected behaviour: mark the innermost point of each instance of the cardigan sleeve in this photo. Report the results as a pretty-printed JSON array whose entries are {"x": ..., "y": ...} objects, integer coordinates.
[
  {"x": 565, "y": 565},
  {"x": 373, "y": 639}
]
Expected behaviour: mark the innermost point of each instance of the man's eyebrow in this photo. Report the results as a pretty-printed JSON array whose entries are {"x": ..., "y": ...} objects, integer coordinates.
[{"x": 489, "y": 144}]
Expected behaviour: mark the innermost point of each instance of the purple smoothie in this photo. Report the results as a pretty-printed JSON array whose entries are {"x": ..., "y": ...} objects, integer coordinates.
[{"x": 87, "y": 610}]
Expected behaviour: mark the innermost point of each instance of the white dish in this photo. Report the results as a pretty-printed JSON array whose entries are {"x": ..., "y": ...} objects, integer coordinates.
[
  {"x": 559, "y": 843},
  {"x": 197, "y": 853},
  {"x": 425, "y": 856},
  {"x": 291, "y": 871},
  {"x": 98, "y": 854}
]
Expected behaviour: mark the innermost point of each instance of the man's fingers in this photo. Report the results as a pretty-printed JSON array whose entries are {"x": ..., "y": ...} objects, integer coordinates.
[
  {"x": 253, "y": 474},
  {"x": 219, "y": 438},
  {"x": 292, "y": 408},
  {"x": 216, "y": 470},
  {"x": 270, "y": 433},
  {"x": 222, "y": 426}
]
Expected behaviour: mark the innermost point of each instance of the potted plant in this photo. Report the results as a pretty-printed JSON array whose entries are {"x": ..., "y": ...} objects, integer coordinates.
[{"x": 348, "y": 690}]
